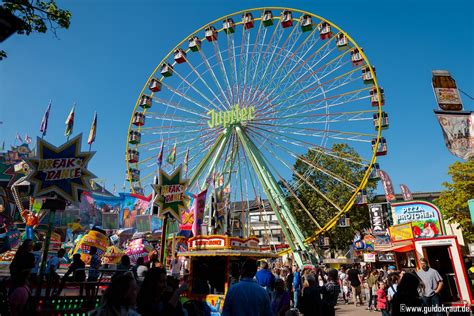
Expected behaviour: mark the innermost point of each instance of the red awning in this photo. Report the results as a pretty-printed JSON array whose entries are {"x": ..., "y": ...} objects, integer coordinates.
[{"x": 400, "y": 246}]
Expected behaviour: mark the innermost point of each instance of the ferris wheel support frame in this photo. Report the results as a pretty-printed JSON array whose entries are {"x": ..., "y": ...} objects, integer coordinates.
[
  {"x": 218, "y": 146},
  {"x": 275, "y": 196}
]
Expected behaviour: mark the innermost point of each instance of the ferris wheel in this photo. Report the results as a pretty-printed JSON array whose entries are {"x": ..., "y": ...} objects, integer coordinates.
[{"x": 240, "y": 100}]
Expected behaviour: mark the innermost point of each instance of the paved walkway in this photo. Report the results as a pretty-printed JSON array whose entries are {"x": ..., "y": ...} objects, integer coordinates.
[{"x": 351, "y": 310}]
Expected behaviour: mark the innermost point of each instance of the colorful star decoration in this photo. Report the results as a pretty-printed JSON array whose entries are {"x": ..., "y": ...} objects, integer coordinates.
[
  {"x": 171, "y": 193},
  {"x": 61, "y": 170}
]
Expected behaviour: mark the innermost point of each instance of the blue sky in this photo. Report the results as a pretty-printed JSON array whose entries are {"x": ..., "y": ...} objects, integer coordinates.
[{"x": 106, "y": 56}]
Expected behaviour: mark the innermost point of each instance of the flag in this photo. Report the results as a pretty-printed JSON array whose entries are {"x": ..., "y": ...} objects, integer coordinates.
[
  {"x": 27, "y": 139},
  {"x": 387, "y": 186},
  {"x": 18, "y": 137},
  {"x": 3, "y": 145},
  {"x": 458, "y": 132},
  {"x": 160, "y": 155},
  {"x": 37, "y": 205},
  {"x": 44, "y": 121},
  {"x": 93, "y": 130},
  {"x": 186, "y": 160},
  {"x": 114, "y": 190},
  {"x": 199, "y": 206},
  {"x": 407, "y": 196},
  {"x": 70, "y": 122},
  {"x": 172, "y": 156}
]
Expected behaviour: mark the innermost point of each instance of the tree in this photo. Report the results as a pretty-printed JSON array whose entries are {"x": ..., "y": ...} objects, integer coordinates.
[
  {"x": 345, "y": 162},
  {"x": 453, "y": 200},
  {"x": 37, "y": 16}
]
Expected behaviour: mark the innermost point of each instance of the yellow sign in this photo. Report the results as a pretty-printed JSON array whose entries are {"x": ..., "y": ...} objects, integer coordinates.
[
  {"x": 233, "y": 116},
  {"x": 401, "y": 232}
]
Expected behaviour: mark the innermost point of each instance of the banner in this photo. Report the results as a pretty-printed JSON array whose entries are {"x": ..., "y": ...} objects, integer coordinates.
[
  {"x": 187, "y": 217},
  {"x": 369, "y": 257},
  {"x": 407, "y": 196},
  {"x": 127, "y": 205},
  {"x": 378, "y": 219},
  {"x": 110, "y": 221},
  {"x": 61, "y": 170},
  {"x": 425, "y": 218},
  {"x": 143, "y": 223},
  {"x": 387, "y": 186},
  {"x": 458, "y": 132},
  {"x": 401, "y": 232},
  {"x": 199, "y": 206}
]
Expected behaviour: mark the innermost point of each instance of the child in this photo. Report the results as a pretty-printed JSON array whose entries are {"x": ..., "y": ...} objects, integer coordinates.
[{"x": 382, "y": 299}]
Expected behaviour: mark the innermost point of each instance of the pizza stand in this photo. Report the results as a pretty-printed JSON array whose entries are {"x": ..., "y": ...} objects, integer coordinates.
[
  {"x": 418, "y": 232},
  {"x": 214, "y": 259}
]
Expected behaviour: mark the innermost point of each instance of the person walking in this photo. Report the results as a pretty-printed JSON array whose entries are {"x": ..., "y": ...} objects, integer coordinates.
[
  {"x": 93, "y": 272},
  {"x": 331, "y": 292},
  {"x": 311, "y": 303},
  {"x": 343, "y": 283},
  {"x": 52, "y": 266},
  {"x": 354, "y": 277},
  {"x": 296, "y": 286},
  {"x": 373, "y": 286},
  {"x": 382, "y": 299},
  {"x": 120, "y": 297},
  {"x": 407, "y": 295},
  {"x": 78, "y": 270},
  {"x": 152, "y": 299},
  {"x": 265, "y": 278},
  {"x": 176, "y": 266},
  {"x": 247, "y": 297},
  {"x": 140, "y": 270},
  {"x": 433, "y": 284},
  {"x": 35, "y": 270},
  {"x": 280, "y": 302},
  {"x": 23, "y": 262}
]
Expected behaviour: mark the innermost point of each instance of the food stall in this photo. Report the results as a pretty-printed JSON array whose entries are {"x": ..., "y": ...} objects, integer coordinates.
[
  {"x": 418, "y": 232},
  {"x": 214, "y": 260}
]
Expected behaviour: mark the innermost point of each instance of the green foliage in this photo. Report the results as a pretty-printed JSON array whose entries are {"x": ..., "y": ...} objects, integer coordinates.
[
  {"x": 37, "y": 16},
  {"x": 453, "y": 200},
  {"x": 344, "y": 162}
]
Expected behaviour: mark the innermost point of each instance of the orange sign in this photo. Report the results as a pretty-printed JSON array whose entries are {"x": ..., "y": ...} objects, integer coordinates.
[{"x": 401, "y": 232}]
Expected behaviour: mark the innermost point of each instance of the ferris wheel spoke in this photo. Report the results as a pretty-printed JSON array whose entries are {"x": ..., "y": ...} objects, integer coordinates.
[
  {"x": 311, "y": 146},
  {"x": 223, "y": 70},
  {"x": 310, "y": 164},
  {"x": 177, "y": 106},
  {"x": 308, "y": 102},
  {"x": 287, "y": 58},
  {"x": 305, "y": 179},
  {"x": 261, "y": 57},
  {"x": 318, "y": 118},
  {"x": 173, "y": 118},
  {"x": 315, "y": 132},
  {"x": 297, "y": 81},
  {"x": 192, "y": 86},
  {"x": 330, "y": 85},
  {"x": 186, "y": 97},
  {"x": 243, "y": 67},
  {"x": 275, "y": 170},
  {"x": 319, "y": 55},
  {"x": 233, "y": 66},
  {"x": 214, "y": 77},
  {"x": 313, "y": 73},
  {"x": 268, "y": 62},
  {"x": 280, "y": 50}
]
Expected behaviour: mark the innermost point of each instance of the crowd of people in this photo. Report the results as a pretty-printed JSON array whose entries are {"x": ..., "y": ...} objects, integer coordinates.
[{"x": 256, "y": 288}]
